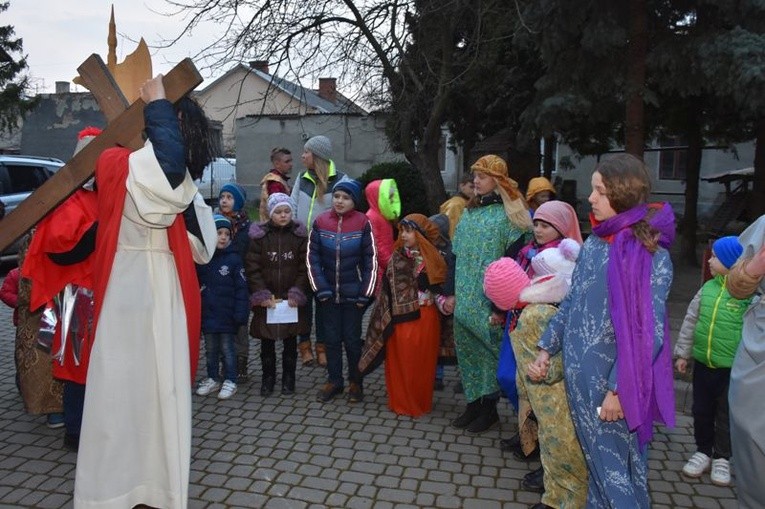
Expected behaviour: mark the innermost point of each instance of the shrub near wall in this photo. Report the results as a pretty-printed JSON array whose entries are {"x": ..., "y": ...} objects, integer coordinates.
[{"x": 409, "y": 182}]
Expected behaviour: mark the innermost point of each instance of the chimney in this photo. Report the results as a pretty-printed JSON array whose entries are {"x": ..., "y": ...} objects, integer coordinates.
[
  {"x": 328, "y": 89},
  {"x": 62, "y": 87},
  {"x": 260, "y": 65}
]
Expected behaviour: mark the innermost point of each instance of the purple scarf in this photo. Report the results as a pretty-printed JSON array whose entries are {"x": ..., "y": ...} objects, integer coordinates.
[{"x": 646, "y": 390}]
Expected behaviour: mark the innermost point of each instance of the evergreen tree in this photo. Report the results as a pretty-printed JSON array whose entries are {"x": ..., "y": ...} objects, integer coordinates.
[{"x": 13, "y": 100}]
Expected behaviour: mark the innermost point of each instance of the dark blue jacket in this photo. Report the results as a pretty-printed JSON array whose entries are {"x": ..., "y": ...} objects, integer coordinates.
[
  {"x": 225, "y": 297},
  {"x": 342, "y": 257}
]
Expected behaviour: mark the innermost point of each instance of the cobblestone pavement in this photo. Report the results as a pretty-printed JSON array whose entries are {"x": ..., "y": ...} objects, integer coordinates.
[{"x": 293, "y": 452}]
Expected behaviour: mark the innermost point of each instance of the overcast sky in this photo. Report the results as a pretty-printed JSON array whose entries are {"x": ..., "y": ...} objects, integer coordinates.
[{"x": 59, "y": 35}]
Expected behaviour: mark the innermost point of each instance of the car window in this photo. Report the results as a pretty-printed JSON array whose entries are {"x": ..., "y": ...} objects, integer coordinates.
[{"x": 25, "y": 179}]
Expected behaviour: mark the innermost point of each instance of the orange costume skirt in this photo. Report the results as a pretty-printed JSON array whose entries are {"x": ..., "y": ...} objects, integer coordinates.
[{"x": 411, "y": 355}]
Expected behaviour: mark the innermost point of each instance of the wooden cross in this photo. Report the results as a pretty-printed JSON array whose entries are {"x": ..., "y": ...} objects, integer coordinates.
[{"x": 125, "y": 124}]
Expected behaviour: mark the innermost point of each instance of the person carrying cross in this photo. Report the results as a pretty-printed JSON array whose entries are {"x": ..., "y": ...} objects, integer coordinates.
[{"x": 135, "y": 444}]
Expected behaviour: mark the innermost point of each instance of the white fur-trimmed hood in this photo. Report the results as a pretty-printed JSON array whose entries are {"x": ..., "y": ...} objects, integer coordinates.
[{"x": 548, "y": 289}]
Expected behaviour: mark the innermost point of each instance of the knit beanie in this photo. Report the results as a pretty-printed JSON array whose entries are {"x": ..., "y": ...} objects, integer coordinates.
[
  {"x": 727, "y": 250},
  {"x": 537, "y": 185},
  {"x": 320, "y": 146},
  {"x": 559, "y": 260},
  {"x": 442, "y": 222},
  {"x": 222, "y": 222},
  {"x": 562, "y": 217},
  {"x": 277, "y": 199},
  {"x": 352, "y": 187},
  {"x": 503, "y": 282},
  {"x": 238, "y": 192}
]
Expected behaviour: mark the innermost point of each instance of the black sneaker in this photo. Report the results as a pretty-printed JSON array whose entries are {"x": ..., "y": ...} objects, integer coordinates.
[{"x": 328, "y": 391}]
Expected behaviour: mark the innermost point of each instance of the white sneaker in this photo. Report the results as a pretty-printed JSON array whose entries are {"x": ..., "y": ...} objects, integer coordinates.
[
  {"x": 228, "y": 390},
  {"x": 697, "y": 465},
  {"x": 721, "y": 472},
  {"x": 207, "y": 386}
]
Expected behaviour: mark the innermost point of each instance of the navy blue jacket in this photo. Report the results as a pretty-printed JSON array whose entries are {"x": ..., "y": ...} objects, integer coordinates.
[
  {"x": 225, "y": 297},
  {"x": 342, "y": 257}
]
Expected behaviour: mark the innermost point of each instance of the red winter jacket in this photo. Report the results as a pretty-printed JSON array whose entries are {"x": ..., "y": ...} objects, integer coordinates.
[{"x": 9, "y": 293}]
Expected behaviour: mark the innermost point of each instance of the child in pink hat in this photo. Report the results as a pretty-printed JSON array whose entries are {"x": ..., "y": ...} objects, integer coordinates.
[
  {"x": 553, "y": 221},
  {"x": 564, "y": 470}
]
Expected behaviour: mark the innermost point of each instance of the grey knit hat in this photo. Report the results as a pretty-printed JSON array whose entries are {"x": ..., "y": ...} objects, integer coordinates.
[{"x": 320, "y": 146}]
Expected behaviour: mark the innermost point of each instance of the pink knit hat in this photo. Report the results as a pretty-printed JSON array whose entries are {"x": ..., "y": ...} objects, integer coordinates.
[
  {"x": 562, "y": 216},
  {"x": 503, "y": 281}
]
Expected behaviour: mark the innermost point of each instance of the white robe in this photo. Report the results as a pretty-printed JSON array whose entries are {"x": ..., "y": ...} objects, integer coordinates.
[{"x": 135, "y": 444}]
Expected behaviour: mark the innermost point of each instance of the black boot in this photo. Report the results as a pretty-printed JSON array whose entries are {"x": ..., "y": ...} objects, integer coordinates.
[
  {"x": 241, "y": 370},
  {"x": 487, "y": 417},
  {"x": 534, "y": 481},
  {"x": 469, "y": 415},
  {"x": 268, "y": 363},
  {"x": 289, "y": 364},
  {"x": 512, "y": 444}
]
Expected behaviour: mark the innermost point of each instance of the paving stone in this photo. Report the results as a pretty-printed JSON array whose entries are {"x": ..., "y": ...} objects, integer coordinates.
[
  {"x": 398, "y": 496},
  {"x": 33, "y": 498},
  {"x": 448, "y": 502},
  {"x": 297, "y": 453},
  {"x": 360, "y": 503}
]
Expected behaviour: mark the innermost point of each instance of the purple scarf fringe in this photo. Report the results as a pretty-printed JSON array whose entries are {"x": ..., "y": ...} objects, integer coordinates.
[{"x": 645, "y": 386}]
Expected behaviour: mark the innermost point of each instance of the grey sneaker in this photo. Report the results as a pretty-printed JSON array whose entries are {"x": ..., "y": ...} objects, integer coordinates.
[
  {"x": 720, "y": 472},
  {"x": 228, "y": 390},
  {"x": 697, "y": 465},
  {"x": 207, "y": 386}
]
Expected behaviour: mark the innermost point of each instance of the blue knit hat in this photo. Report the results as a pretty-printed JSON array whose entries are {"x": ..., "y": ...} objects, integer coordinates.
[
  {"x": 222, "y": 222},
  {"x": 352, "y": 187},
  {"x": 727, "y": 250},
  {"x": 239, "y": 194}
]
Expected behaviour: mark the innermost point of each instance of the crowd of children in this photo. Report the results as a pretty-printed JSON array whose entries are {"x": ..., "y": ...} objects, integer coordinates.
[{"x": 585, "y": 321}]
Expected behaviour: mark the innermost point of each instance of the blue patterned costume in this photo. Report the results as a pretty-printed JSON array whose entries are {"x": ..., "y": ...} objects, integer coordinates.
[{"x": 583, "y": 330}]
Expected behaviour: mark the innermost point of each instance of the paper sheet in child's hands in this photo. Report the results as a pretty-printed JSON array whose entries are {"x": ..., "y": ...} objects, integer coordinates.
[{"x": 282, "y": 313}]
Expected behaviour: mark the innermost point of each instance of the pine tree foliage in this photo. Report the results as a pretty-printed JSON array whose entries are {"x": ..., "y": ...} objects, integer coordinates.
[{"x": 13, "y": 83}]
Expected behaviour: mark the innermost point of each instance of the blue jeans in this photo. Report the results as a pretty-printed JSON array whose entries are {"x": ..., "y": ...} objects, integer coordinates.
[
  {"x": 342, "y": 327},
  {"x": 219, "y": 344}
]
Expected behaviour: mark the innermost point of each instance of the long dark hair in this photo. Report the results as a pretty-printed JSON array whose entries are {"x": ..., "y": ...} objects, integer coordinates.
[{"x": 198, "y": 141}]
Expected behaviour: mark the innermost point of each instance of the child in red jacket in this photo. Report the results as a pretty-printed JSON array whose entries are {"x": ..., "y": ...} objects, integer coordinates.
[{"x": 9, "y": 293}]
